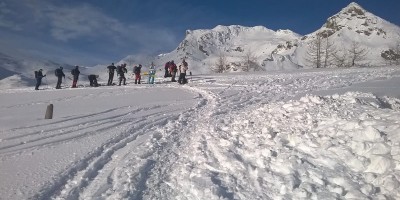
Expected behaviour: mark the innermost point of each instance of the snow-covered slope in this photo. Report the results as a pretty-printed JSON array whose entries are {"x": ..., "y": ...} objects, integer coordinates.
[
  {"x": 228, "y": 136},
  {"x": 353, "y": 24},
  {"x": 280, "y": 62},
  {"x": 203, "y": 47}
]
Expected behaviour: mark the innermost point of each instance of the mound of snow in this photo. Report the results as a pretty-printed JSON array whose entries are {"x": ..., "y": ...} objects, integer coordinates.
[
  {"x": 16, "y": 81},
  {"x": 328, "y": 147},
  {"x": 280, "y": 62}
]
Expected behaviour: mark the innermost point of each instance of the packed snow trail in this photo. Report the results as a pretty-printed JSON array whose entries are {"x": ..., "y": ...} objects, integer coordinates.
[
  {"x": 235, "y": 136},
  {"x": 127, "y": 174}
]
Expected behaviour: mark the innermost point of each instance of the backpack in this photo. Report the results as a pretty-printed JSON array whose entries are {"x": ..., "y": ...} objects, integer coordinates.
[
  {"x": 57, "y": 72},
  {"x": 172, "y": 67},
  {"x": 36, "y": 74},
  {"x": 119, "y": 70},
  {"x": 73, "y": 72},
  {"x": 136, "y": 70}
]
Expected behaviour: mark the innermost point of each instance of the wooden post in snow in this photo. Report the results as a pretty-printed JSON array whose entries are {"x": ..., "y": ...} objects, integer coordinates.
[{"x": 49, "y": 112}]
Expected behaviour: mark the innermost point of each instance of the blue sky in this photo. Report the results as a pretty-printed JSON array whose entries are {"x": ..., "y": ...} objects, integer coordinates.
[{"x": 89, "y": 32}]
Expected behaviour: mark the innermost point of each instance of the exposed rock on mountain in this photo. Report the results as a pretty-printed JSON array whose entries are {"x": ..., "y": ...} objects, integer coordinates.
[{"x": 351, "y": 30}]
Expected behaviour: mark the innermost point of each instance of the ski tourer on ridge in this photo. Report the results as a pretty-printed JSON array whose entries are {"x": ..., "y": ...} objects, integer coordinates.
[
  {"x": 75, "y": 73},
  {"x": 137, "y": 71},
  {"x": 93, "y": 80},
  {"x": 182, "y": 69},
  {"x": 60, "y": 74},
  {"x": 121, "y": 70},
  {"x": 111, "y": 70},
  {"x": 38, "y": 76},
  {"x": 173, "y": 69},
  {"x": 152, "y": 74}
]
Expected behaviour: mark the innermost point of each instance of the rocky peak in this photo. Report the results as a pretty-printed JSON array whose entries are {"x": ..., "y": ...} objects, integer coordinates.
[
  {"x": 350, "y": 13},
  {"x": 353, "y": 9},
  {"x": 354, "y": 18}
]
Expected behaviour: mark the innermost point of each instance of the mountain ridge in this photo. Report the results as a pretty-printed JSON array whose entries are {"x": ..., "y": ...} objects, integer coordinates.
[{"x": 351, "y": 24}]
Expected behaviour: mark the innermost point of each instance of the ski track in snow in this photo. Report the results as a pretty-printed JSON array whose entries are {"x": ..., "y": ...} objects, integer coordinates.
[
  {"x": 130, "y": 170},
  {"x": 131, "y": 124},
  {"x": 113, "y": 151},
  {"x": 247, "y": 137}
]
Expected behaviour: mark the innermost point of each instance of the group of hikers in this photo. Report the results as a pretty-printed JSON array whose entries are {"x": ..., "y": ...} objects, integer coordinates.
[
  {"x": 121, "y": 70},
  {"x": 60, "y": 75},
  {"x": 170, "y": 71}
]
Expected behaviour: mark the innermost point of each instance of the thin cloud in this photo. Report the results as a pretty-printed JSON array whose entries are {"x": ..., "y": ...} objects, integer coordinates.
[
  {"x": 5, "y": 15},
  {"x": 81, "y": 26},
  {"x": 87, "y": 22},
  {"x": 78, "y": 22}
]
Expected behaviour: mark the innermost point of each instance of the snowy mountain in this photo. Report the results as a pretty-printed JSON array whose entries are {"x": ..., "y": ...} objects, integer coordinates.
[
  {"x": 353, "y": 28},
  {"x": 202, "y": 48}
]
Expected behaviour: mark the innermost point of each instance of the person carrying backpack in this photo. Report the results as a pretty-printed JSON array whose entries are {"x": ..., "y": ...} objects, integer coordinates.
[
  {"x": 93, "y": 80},
  {"x": 172, "y": 70},
  {"x": 137, "y": 71},
  {"x": 75, "y": 72},
  {"x": 166, "y": 67},
  {"x": 152, "y": 74},
  {"x": 60, "y": 74},
  {"x": 38, "y": 75},
  {"x": 182, "y": 69},
  {"x": 111, "y": 70},
  {"x": 121, "y": 70}
]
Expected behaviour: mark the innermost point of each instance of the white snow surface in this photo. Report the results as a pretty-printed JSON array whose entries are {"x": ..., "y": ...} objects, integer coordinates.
[{"x": 305, "y": 134}]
